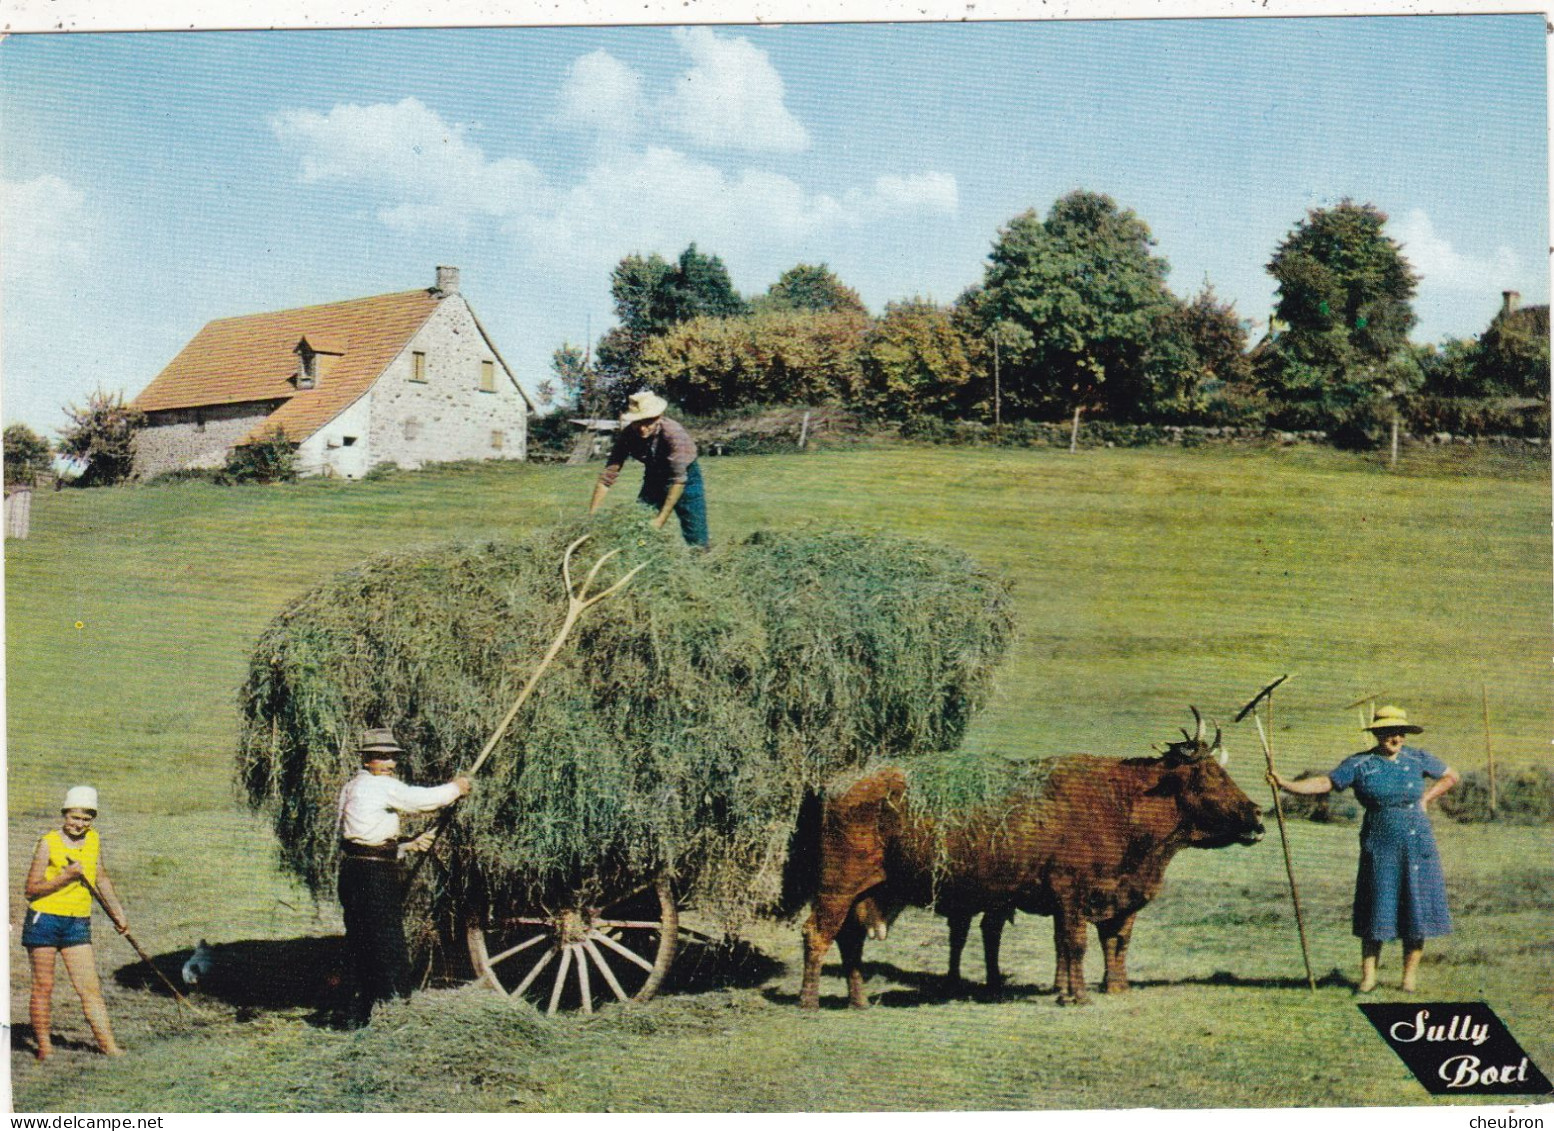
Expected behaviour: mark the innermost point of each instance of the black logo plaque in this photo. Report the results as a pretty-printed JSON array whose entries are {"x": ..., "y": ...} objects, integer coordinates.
[{"x": 1457, "y": 1048}]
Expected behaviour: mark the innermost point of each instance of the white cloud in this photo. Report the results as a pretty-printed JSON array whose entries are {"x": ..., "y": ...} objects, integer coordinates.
[
  {"x": 894, "y": 196},
  {"x": 426, "y": 173},
  {"x": 660, "y": 199},
  {"x": 731, "y": 97},
  {"x": 44, "y": 226},
  {"x": 602, "y": 92},
  {"x": 1443, "y": 267},
  {"x": 437, "y": 174}
]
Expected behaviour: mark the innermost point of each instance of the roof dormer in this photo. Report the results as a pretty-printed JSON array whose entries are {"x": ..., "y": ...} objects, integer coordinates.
[{"x": 316, "y": 353}]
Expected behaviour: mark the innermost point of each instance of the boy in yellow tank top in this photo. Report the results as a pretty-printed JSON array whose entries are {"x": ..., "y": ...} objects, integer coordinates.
[{"x": 59, "y": 918}]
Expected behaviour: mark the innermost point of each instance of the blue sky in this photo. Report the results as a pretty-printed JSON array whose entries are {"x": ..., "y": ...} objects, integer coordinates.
[{"x": 151, "y": 182}]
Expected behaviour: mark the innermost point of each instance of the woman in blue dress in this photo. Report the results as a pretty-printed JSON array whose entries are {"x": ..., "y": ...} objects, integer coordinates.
[{"x": 1399, "y": 892}]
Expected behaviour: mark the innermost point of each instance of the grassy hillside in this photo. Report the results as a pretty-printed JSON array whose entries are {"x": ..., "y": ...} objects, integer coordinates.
[{"x": 1146, "y": 580}]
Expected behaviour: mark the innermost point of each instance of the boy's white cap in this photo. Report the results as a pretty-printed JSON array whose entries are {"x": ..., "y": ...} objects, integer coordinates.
[{"x": 80, "y": 797}]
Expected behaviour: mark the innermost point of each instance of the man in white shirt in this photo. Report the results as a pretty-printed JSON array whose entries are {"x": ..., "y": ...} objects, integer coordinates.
[{"x": 371, "y": 891}]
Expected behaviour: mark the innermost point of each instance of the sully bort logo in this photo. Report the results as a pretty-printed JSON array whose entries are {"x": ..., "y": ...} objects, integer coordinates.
[{"x": 1457, "y": 1048}]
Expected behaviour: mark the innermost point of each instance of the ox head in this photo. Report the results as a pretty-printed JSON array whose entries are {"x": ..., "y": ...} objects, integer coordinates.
[{"x": 1214, "y": 810}]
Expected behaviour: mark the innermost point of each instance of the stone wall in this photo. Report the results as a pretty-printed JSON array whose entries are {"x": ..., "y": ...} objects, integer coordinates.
[
  {"x": 194, "y": 437},
  {"x": 447, "y": 416}
]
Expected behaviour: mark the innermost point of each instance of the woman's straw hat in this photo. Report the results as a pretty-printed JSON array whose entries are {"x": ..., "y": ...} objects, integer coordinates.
[
  {"x": 643, "y": 405},
  {"x": 1393, "y": 718},
  {"x": 80, "y": 797}
]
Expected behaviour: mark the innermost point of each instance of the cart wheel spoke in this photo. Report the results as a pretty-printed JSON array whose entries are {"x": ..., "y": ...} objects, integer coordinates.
[
  {"x": 604, "y": 970},
  {"x": 528, "y": 979},
  {"x": 512, "y": 950},
  {"x": 561, "y": 979},
  {"x": 639, "y": 924},
  {"x": 630, "y": 955},
  {"x": 582, "y": 979}
]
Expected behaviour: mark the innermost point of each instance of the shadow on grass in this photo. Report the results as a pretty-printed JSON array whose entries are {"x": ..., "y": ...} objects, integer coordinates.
[
  {"x": 258, "y": 976},
  {"x": 925, "y": 989},
  {"x": 22, "y": 1041},
  {"x": 252, "y": 975},
  {"x": 937, "y": 989},
  {"x": 709, "y": 964}
]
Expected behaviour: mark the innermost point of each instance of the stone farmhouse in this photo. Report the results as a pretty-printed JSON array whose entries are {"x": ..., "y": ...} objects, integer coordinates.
[{"x": 409, "y": 378}]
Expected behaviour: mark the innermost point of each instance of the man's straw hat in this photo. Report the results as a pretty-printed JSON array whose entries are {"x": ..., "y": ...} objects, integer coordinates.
[
  {"x": 1393, "y": 718},
  {"x": 378, "y": 740},
  {"x": 643, "y": 405}
]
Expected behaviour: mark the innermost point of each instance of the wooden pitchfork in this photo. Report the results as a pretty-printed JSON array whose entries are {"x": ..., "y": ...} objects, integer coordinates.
[
  {"x": 1278, "y": 810},
  {"x": 578, "y": 602}
]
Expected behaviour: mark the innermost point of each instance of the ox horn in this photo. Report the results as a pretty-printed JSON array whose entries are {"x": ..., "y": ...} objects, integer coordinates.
[
  {"x": 1198, "y": 737},
  {"x": 1221, "y": 755}
]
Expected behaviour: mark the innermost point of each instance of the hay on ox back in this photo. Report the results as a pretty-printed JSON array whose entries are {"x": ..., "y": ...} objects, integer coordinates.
[{"x": 678, "y": 729}]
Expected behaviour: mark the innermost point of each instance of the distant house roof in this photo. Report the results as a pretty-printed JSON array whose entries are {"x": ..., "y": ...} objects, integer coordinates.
[
  {"x": 1531, "y": 319},
  {"x": 253, "y": 358}
]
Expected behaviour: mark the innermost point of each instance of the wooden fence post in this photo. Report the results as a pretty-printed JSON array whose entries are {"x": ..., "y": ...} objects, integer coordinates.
[{"x": 18, "y": 512}]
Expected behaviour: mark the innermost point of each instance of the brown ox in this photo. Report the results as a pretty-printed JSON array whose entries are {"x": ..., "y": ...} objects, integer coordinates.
[{"x": 1088, "y": 844}]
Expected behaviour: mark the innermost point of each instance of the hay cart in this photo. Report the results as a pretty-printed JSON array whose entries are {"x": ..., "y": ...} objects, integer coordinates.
[{"x": 665, "y": 762}]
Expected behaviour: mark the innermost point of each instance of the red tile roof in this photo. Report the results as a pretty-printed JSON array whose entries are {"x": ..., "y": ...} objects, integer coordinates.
[{"x": 253, "y": 357}]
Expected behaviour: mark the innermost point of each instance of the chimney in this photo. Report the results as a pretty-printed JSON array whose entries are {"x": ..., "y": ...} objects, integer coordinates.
[
  {"x": 447, "y": 280},
  {"x": 1513, "y": 299}
]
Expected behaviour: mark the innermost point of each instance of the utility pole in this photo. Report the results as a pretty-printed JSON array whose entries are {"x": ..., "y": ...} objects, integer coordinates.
[{"x": 997, "y": 415}]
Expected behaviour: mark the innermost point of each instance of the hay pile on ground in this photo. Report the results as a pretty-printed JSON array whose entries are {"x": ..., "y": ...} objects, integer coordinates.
[{"x": 679, "y": 728}]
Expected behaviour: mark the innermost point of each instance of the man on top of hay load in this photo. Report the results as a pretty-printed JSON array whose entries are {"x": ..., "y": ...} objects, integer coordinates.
[
  {"x": 371, "y": 890},
  {"x": 671, "y": 480}
]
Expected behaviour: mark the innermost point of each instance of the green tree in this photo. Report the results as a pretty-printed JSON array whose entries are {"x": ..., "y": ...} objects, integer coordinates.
[
  {"x": 1083, "y": 289},
  {"x": 697, "y": 287},
  {"x": 101, "y": 437},
  {"x": 1513, "y": 355},
  {"x": 579, "y": 380},
  {"x": 774, "y": 357},
  {"x": 810, "y": 287},
  {"x": 1198, "y": 350},
  {"x": 651, "y": 295},
  {"x": 27, "y": 455},
  {"x": 1452, "y": 370},
  {"x": 1345, "y": 292},
  {"x": 917, "y": 360}
]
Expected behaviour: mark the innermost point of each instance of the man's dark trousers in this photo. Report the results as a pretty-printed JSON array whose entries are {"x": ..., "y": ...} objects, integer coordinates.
[{"x": 372, "y": 897}]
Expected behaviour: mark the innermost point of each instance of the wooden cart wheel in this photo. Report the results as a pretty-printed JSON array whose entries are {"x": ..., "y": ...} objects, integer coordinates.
[{"x": 567, "y": 959}]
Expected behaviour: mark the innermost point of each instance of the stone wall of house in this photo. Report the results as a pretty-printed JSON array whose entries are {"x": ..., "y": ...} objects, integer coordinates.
[
  {"x": 194, "y": 437},
  {"x": 446, "y": 416}
]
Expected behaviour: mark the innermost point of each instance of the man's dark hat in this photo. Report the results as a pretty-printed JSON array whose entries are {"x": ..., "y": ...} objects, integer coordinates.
[{"x": 378, "y": 740}]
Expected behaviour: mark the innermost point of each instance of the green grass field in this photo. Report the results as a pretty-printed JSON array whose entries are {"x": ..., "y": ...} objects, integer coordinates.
[{"x": 1145, "y": 580}]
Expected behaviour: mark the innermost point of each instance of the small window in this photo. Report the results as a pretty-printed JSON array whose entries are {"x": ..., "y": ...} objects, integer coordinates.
[
  {"x": 418, "y": 366},
  {"x": 488, "y": 376},
  {"x": 307, "y": 376},
  {"x": 497, "y": 439},
  {"x": 347, "y": 440},
  {"x": 412, "y": 428}
]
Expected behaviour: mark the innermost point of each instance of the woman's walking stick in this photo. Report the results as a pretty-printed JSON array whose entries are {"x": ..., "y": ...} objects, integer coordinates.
[{"x": 1278, "y": 811}]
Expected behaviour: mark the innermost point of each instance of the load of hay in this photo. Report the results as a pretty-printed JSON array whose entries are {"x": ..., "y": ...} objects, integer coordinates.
[{"x": 679, "y": 728}]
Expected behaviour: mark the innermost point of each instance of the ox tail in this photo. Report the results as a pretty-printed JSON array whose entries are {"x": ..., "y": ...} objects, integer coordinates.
[{"x": 801, "y": 873}]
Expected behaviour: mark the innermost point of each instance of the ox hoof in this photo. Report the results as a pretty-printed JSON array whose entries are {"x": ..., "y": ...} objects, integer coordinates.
[
  {"x": 1114, "y": 988},
  {"x": 858, "y": 1003}
]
